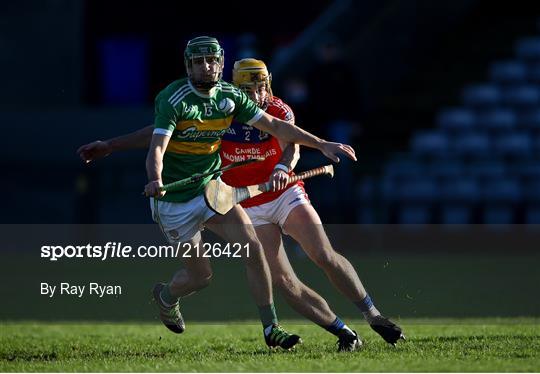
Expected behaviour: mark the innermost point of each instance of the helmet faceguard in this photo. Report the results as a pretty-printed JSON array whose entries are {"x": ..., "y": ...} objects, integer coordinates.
[
  {"x": 199, "y": 53},
  {"x": 249, "y": 74}
]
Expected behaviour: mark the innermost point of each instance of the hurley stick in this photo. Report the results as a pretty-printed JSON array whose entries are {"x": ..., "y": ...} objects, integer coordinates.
[
  {"x": 197, "y": 177},
  {"x": 221, "y": 197}
]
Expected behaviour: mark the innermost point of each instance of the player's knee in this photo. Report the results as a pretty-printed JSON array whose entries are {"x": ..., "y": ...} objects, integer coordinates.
[
  {"x": 326, "y": 258},
  {"x": 286, "y": 283},
  {"x": 201, "y": 281}
]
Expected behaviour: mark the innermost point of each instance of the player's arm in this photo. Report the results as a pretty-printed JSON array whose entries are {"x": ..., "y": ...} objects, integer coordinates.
[
  {"x": 154, "y": 165},
  {"x": 290, "y": 133},
  {"x": 99, "y": 149}
]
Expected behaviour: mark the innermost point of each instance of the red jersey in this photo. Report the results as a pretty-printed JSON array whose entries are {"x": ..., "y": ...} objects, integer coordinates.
[{"x": 242, "y": 142}]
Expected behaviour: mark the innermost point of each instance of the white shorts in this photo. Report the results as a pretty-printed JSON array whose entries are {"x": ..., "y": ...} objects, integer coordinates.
[
  {"x": 181, "y": 222},
  {"x": 277, "y": 211}
]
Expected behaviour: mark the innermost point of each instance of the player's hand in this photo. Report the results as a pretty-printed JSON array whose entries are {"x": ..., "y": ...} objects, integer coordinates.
[
  {"x": 92, "y": 151},
  {"x": 331, "y": 150},
  {"x": 279, "y": 179},
  {"x": 152, "y": 189}
]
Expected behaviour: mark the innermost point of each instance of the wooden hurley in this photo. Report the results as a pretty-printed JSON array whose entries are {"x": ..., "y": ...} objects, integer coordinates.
[{"x": 221, "y": 197}]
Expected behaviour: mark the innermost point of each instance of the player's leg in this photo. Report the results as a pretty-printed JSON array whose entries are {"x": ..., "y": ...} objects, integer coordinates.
[
  {"x": 305, "y": 226},
  {"x": 299, "y": 296},
  {"x": 236, "y": 227},
  {"x": 180, "y": 223},
  {"x": 303, "y": 299},
  {"x": 194, "y": 276}
]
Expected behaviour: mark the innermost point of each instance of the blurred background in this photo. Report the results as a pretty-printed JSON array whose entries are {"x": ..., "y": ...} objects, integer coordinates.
[{"x": 440, "y": 100}]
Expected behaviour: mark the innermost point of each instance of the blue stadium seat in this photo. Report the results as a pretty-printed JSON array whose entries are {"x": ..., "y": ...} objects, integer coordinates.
[
  {"x": 446, "y": 168},
  {"x": 497, "y": 119},
  {"x": 414, "y": 198},
  {"x": 482, "y": 95},
  {"x": 486, "y": 169},
  {"x": 505, "y": 72},
  {"x": 530, "y": 119},
  {"x": 531, "y": 191},
  {"x": 423, "y": 189},
  {"x": 430, "y": 143},
  {"x": 500, "y": 198},
  {"x": 456, "y": 119},
  {"x": 458, "y": 199},
  {"x": 506, "y": 190},
  {"x": 462, "y": 190},
  {"x": 533, "y": 72},
  {"x": 522, "y": 96},
  {"x": 499, "y": 214},
  {"x": 475, "y": 144},
  {"x": 532, "y": 199},
  {"x": 532, "y": 215},
  {"x": 413, "y": 214},
  {"x": 517, "y": 144},
  {"x": 404, "y": 168},
  {"x": 528, "y": 170},
  {"x": 528, "y": 48},
  {"x": 456, "y": 214}
]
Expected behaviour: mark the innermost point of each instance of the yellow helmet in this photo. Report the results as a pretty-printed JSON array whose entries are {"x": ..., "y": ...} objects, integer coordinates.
[{"x": 250, "y": 72}]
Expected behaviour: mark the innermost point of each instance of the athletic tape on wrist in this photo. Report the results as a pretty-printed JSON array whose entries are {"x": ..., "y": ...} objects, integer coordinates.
[{"x": 281, "y": 167}]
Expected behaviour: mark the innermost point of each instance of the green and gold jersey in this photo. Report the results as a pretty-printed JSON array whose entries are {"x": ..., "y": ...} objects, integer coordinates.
[{"x": 196, "y": 123}]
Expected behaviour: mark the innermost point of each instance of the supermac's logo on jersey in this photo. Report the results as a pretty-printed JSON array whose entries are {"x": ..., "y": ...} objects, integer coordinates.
[{"x": 193, "y": 133}]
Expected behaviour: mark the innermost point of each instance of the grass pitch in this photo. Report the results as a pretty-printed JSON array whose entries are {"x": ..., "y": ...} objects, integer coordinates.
[{"x": 464, "y": 345}]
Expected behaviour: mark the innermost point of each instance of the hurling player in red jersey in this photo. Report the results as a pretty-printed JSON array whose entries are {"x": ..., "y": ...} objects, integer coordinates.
[{"x": 286, "y": 208}]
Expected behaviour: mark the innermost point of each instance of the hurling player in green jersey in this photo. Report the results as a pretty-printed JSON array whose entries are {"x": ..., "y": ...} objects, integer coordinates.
[{"x": 191, "y": 116}]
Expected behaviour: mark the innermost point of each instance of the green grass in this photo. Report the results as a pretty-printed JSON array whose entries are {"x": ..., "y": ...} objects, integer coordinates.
[{"x": 465, "y": 345}]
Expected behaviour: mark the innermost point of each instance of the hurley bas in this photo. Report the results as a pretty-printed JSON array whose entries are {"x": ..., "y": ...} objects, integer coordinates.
[{"x": 93, "y": 289}]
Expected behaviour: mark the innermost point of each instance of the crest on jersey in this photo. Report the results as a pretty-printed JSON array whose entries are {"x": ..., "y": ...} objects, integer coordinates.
[
  {"x": 190, "y": 109},
  {"x": 226, "y": 106}
]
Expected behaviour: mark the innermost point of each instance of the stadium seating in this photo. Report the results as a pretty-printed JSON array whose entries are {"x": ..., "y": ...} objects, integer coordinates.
[
  {"x": 481, "y": 163},
  {"x": 528, "y": 49},
  {"x": 474, "y": 144},
  {"x": 456, "y": 119},
  {"x": 485, "y": 169},
  {"x": 517, "y": 144},
  {"x": 445, "y": 169},
  {"x": 458, "y": 198},
  {"x": 482, "y": 96},
  {"x": 500, "y": 197},
  {"x": 430, "y": 143},
  {"x": 532, "y": 198},
  {"x": 521, "y": 96},
  {"x": 530, "y": 120},
  {"x": 505, "y": 72},
  {"x": 533, "y": 72},
  {"x": 403, "y": 168},
  {"x": 498, "y": 119}
]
